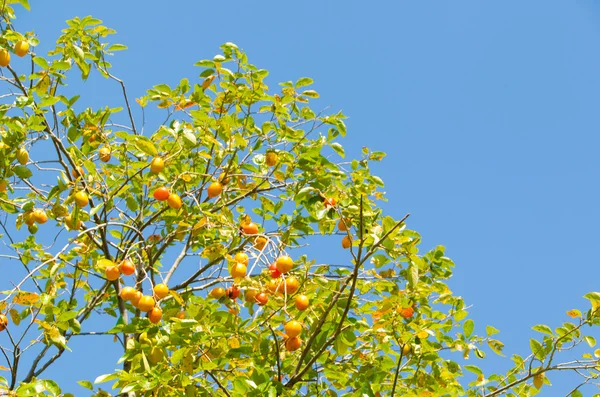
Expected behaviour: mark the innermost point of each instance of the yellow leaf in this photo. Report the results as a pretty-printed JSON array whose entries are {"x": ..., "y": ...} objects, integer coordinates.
[
  {"x": 234, "y": 343},
  {"x": 423, "y": 334},
  {"x": 574, "y": 313},
  {"x": 26, "y": 298},
  {"x": 3, "y": 368}
]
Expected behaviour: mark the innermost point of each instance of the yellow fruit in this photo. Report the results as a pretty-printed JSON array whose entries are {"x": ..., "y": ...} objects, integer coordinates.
[
  {"x": 343, "y": 225},
  {"x": 3, "y": 322},
  {"x": 284, "y": 264},
  {"x": 241, "y": 257},
  {"x": 293, "y": 343},
  {"x": 260, "y": 243},
  {"x": 406, "y": 349},
  {"x": 271, "y": 158},
  {"x": 155, "y": 315},
  {"x": 28, "y": 218},
  {"x": 217, "y": 293},
  {"x": 174, "y": 201},
  {"x": 22, "y": 154},
  {"x": 78, "y": 172},
  {"x": 293, "y": 328},
  {"x": 39, "y": 216},
  {"x": 146, "y": 303},
  {"x": 156, "y": 355},
  {"x": 302, "y": 302},
  {"x": 161, "y": 290},
  {"x": 21, "y": 48},
  {"x": 157, "y": 165},
  {"x": 538, "y": 381},
  {"x": 3, "y": 185},
  {"x": 214, "y": 189},
  {"x": 104, "y": 154},
  {"x": 238, "y": 270},
  {"x": 112, "y": 273},
  {"x": 4, "y": 57},
  {"x": 250, "y": 295},
  {"x": 81, "y": 199},
  {"x": 127, "y": 293},
  {"x": 69, "y": 222}
]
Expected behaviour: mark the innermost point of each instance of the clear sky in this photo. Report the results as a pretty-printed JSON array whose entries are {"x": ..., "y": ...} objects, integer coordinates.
[{"x": 488, "y": 112}]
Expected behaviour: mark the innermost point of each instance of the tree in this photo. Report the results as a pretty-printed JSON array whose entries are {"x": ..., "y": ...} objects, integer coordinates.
[{"x": 190, "y": 243}]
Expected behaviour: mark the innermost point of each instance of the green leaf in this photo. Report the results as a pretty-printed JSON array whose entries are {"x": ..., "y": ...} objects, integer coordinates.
[
  {"x": 86, "y": 383},
  {"x": 544, "y": 329},
  {"x": 468, "y": 327},
  {"x": 23, "y": 172},
  {"x": 145, "y": 145},
  {"x": 189, "y": 138},
  {"x": 537, "y": 349},
  {"x": 489, "y": 330},
  {"x": 590, "y": 340},
  {"x": 105, "y": 378},
  {"x": 412, "y": 275},
  {"x": 310, "y": 94},
  {"x": 474, "y": 369},
  {"x": 303, "y": 82},
  {"x": 117, "y": 47},
  {"x": 338, "y": 149}
]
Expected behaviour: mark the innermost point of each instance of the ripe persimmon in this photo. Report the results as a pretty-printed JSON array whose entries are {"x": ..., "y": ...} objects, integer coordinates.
[
  {"x": 161, "y": 193},
  {"x": 21, "y": 48},
  {"x": 293, "y": 328},
  {"x": 291, "y": 285},
  {"x": 346, "y": 242},
  {"x": 284, "y": 264},
  {"x": 343, "y": 225},
  {"x": 273, "y": 270},
  {"x": 39, "y": 216},
  {"x": 3, "y": 322},
  {"x": 250, "y": 228},
  {"x": 302, "y": 302},
  {"x": 293, "y": 343},
  {"x": 262, "y": 298},
  {"x": 155, "y": 315},
  {"x": 260, "y": 243},
  {"x": 160, "y": 291},
  {"x": 81, "y": 199},
  {"x": 174, "y": 201},
  {"x": 218, "y": 292},
  {"x": 127, "y": 267},
  {"x": 135, "y": 299},
  {"x": 241, "y": 257},
  {"x": 112, "y": 273},
  {"x": 127, "y": 293},
  {"x": 146, "y": 303},
  {"x": 329, "y": 202},
  {"x": 238, "y": 270},
  {"x": 214, "y": 189},
  {"x": 104, "y": 154},
  {"x": 157, "y": 165},
  {"x": 407, "y": 312},
  {"x": 4, "y": 57},
  {"x": 233, "y": 292}
]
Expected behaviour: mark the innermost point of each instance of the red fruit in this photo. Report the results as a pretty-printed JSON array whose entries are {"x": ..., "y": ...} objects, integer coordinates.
[
  {"x": 273, "y": 270},
  {"x": 161, "y": 194},
  {"x": 262, "y": 298},
  {"x": 233, "y": 292}
]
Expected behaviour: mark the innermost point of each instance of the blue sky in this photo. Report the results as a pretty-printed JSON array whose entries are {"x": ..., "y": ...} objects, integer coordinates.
[{"x": 487, "y": 111}]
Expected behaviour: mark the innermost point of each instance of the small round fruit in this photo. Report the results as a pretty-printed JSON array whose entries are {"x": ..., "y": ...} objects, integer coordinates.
[
  {"x": 28, "y": 218},
  {"x": 77, "y": 172},
  {"x": 104, "y": 154},
  {"x": 157, "y": 165},
  {"x": 112, "y": 273},
  {"x": 3, "y": 185},
  {"x": 22, "y": 154},
  {"x": 156, "y": 355},
  {"x": 174, "y": 201},
  {"x": 155, "y": 315},
  {"x": 291, "y": 285},
  {"x": 293, "y": 328},
  {"x": 135, "y": 299},
  {"x": 262, "y": 298},
  {"x": 329, "y": 202},
  {"x": 127, "y": 293},
  {"x": 144, "y": 339},
  {"x": 292, "y": 344},
  {"x": 271, "y": 158},
  {"x": 538, "y": 381},
  {"x": 250, "y": 228},
  {"x": 218, "y": 292},
  {"x": 127, "y": 267},
  {"x": 146, "y": 303},
  {"x": 214, "y": 189},
  {"x": 406, "y": 349},
  {"x": 346, "y": 242},
  {"x": 3, "y": 322},
  {"x": 4, "y": 57},
  {"x": 21, "y": 48},
  {"x": 343, "y": 225},
  {"x": 161, "y": 194},
  {"x": 274, "y": 285},
  {"x": 71, "y": 224},
  {"x": 302, "y": 302},
  {"x": 39, "y": 216},
  {"x": 161, "y": 290},
  {"x": 81, "y": 199},
  {"x": 407, "y": 312},
  {"x": 284, "y": 264},
  {"x": 233, "y": 292},
  {"x": 238, "y": 270},
  {"x": 260, "y": 243},
  {"x": 273, "y": 270},
  {"x": 32, "y": 228},
  {"x": 241, "y": 257},
  {"x": 250, "y": 295}
]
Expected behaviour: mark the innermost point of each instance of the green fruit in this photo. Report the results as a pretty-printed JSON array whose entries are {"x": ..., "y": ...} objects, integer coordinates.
[
  {"x": 145, "y": 340},
  {"x": 156, "y": 355},
  {"x": 32, "y": 228}
]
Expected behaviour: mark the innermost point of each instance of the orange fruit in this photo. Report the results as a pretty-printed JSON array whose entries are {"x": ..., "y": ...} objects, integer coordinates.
[
  {"x": 39, "y": 216},
  {"x": 104, "y": 154},
  {"x": 302, "y": 302},
  {"x": 4, "y": 57},
  {"x": 81, "y": 199},
  {"x": 22, "y": 154},
  {"x": 127, "y": 267},
  {"x": 127, "y": 293},
  {"x": 135, "y": 299},
  {"x": 146, "y": 303},
  {"x": 3, "y": 322},
  {"x": 21, "y": 48},
  {"x": 273, "y": 286},
  {"x": 214, "y": 189},
  {"x": 3, "y": 185},
  {"x": 161, "y": 194},
  {"x": 157, "y": 165},
  {"x": 284, "y": 264},
  {"x": 343, "y": 225},
  {"x": 241, "y": 257},
  {"x": 346, "y": 242},
  {"x": 70, "y": 223},
  {"x": 174, "y": 201},
  {"x": 250, "y": 228},
  {"x": 291, "y": 285},
  {"x": 155, "y": 315},
  {"x": 250, "y": 295},
  {"x": 293, "y": 328},
  {"x": 273, "y": 270},
  {"x": 238, "y": 270},
  {"x": 160, "y": 291},
  {"x": 271, "y": 158},
  {"x": 262, "y": 298},
  {"x": 292, "y": 344},
  {"x": 407, "y": 312},
  {"x": 329, "y": 202},
  {"x": 260, "y": 243},
  {"x": 233, "y": 292},
  {"x": 77, "y": 172},
  {"x": 218, "y": 293},
  {"x": 28, "y": 218},
  {"x": 112, "y": 273}
]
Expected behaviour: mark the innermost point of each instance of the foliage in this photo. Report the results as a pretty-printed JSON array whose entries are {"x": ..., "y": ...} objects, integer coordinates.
[{"x": 231, "y": 155}]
